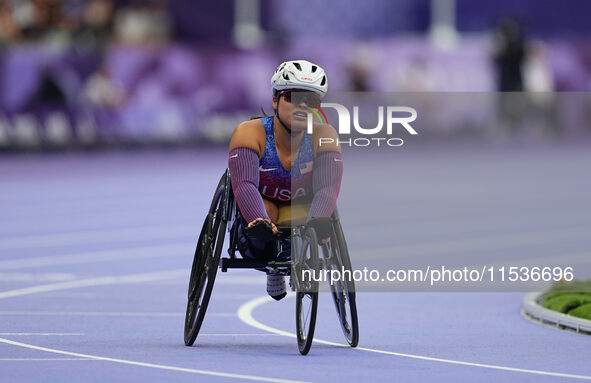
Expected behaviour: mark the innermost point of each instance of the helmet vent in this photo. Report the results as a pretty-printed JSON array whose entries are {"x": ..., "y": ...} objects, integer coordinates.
[
  {"x": 323, "y": 81},
  {"x": 285, "y": 76},
  {"x": 314, "y": 67},
  {"x": 297, "y": 65}
]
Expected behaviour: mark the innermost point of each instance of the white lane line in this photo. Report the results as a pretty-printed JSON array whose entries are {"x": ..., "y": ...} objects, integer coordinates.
[
  {"x": 226, "y": 279},
  {"x": 41, "y": 333},
  {"x": 150, "y": 365},
  {"x": 498, "y": 241},
  {"x": 240, "y": 334},
  {"x": 25, "y": 277},
  {"x": 77, "y": 295},
  {"x": 131, "y": 278},
  {"x": 123, "y": 234},
  {"x": 81, "y": 334},
  {"x": 121, "y": 254},
  {"x": 106, "y": 314},
  {"x": 245, "y": 315},
  {"x": 39, "y": 359},
  {"x": 563, "y": 259}
]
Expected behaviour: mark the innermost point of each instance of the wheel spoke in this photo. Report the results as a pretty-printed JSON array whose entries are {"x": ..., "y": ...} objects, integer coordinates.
[{"x": 307, "y": 314}]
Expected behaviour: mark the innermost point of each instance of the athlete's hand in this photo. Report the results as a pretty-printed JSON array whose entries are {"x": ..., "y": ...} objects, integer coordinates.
[
  {"x": 323, "y": 228},
  {"x": 273, "y": 227}
]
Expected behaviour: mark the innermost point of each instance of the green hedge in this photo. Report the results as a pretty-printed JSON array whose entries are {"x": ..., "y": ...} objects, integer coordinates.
[{"x": 572, "y": 298}]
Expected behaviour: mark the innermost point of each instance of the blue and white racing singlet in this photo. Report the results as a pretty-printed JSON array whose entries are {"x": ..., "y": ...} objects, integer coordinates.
[{"x": 275, "y": 182}]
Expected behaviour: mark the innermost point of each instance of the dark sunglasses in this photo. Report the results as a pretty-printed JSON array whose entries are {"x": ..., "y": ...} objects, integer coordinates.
[{"x": 308, "y": 98}]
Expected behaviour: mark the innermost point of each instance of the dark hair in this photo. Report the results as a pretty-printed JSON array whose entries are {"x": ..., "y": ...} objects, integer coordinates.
[{"x": 257, "y": 117}]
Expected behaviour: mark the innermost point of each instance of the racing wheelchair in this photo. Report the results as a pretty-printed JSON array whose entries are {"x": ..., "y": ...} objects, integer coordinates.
[{"x": 307, "y": 256}]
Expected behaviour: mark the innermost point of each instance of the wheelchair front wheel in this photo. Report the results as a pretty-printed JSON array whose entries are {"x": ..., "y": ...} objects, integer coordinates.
[
  {"x": 205, "y": 264},
  {"x": 307, "y": 291}
]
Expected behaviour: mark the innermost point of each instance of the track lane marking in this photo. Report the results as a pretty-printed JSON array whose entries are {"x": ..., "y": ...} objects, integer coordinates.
[
  {"x": 106, "y": 313},
  {"x": 27, "y": 277},
  {"x": 132, "y": 278},
  {"x": 41, "y": 333},
  {"x": 153, "y": 251},
  {"x": 239, "y": 334},
  {"x": 151, "y": 365},
  {"x": 118, "y": 254},
  {"x": 124, "y": 234},
  {"x": 501, "y": 241},
  {"x": 38, "y": 359},
  {"x": 245, "y": 315}
]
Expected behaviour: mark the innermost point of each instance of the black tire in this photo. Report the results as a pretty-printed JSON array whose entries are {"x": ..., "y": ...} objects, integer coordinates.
[
  {"x": 307, "y": 293},
  {"x": 205, "y": 265},
  {"x": 343, "y": 291}
]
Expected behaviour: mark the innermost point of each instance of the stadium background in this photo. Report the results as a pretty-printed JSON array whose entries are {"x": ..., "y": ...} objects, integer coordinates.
[
  {"x": 114, "y": 125},
  {"x": 98, "y": 73}
]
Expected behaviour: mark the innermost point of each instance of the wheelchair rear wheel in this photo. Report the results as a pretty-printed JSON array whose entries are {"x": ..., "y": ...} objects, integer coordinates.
[
  {"x": 336, "y": 257},
  {"x": 306, "y": 290},
  {"x": 205, "y": 265}
]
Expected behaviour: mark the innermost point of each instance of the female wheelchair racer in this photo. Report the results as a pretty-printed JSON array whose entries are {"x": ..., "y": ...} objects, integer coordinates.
[
  {"x": 271, "y": 156},
  {"x": 278, "y": 171}
]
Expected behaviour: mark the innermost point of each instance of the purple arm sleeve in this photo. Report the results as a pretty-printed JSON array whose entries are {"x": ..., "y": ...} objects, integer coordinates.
[
  {"x": 244, "y": 170},
  {"x": 326, "y": 183}
]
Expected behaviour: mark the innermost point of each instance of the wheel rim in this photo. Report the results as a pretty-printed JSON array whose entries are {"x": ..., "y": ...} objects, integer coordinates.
[
  {"x": 342, "y": 297},
  {"x": 204, "y": 268},
  {"x": 307, "y": 294},
  {"x": 306, "y": 303},
  {"x": 195, "y": 304}
]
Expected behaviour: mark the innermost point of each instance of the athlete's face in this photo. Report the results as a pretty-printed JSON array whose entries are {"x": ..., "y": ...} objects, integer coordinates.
[{"x": 294, "y": 106}]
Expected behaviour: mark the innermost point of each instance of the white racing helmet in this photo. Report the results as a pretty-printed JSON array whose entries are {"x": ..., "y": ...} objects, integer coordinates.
[{"x": 299, "y": 74}]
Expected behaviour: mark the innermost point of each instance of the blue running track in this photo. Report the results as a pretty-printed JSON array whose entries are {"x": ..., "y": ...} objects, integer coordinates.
[{"x": 95, "y": 252}]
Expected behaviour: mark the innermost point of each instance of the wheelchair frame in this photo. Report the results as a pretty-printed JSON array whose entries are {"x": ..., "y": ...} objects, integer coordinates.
[{"x": 208, "y": 258}]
